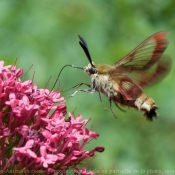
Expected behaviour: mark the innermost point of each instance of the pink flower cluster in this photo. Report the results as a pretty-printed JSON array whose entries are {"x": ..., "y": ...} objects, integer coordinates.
[{"x": 34, "y": 132}]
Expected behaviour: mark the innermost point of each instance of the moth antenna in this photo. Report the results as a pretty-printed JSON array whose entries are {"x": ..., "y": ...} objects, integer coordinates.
[
  {"x": 68, "y": 65},
  {"x": 84, "y": 46},
  {"x": 26, "y": 72}
]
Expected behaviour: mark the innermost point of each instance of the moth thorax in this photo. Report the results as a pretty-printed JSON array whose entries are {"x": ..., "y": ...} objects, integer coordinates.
[{"x": 103, "y": 84}]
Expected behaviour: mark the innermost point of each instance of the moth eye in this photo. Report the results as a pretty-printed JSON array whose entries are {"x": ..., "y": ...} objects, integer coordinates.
[{"x": 92, "y": 70}]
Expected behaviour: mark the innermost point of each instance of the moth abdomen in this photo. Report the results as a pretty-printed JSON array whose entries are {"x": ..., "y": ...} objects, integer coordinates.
[
  {"x": 147, "y": 104},
  {"x": 151, "y": 114}
]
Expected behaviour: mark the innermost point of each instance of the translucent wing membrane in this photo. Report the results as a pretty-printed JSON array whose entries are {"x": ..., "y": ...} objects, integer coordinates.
[
  {"x": 154, "y": 73},
  {"x": 144, "y": 55},
  {"x": 142, "y": 66},
  {"x": 149, "y": 76}
]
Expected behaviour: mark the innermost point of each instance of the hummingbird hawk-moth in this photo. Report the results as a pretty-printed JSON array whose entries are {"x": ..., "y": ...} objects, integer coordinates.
[{"x": 123, "y": 81}]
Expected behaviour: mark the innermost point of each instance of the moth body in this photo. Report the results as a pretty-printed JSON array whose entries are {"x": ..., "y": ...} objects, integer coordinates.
[
  {"x": 123, "y": 81},
  {"x": 103, "y": 83}
]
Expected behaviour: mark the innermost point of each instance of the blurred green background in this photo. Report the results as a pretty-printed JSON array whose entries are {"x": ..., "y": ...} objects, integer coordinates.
[{"x": 44, "y": 33}]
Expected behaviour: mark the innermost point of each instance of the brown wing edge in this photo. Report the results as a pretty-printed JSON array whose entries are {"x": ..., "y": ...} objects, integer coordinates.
[{"x": 163, "y": 68}]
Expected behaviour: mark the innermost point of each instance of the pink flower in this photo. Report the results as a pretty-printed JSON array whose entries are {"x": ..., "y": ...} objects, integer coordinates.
[
  {"x": 26, "y": 150},
  {"x": 34, "y": 132},
  {"x": 45, "y": 158}
]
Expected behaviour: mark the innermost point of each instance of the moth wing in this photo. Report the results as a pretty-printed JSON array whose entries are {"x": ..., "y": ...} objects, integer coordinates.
[
  {"x": 145, "y": 54},
  {"x": 126, "y": 87},
  {"x": 154, "y": 74},
  {"x": 130, "y": 85},
  {"x": 142, "y": 64}
]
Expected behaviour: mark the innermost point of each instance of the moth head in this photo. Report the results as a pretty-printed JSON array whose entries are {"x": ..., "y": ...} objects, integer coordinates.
[{"x": 90, "y": 69}]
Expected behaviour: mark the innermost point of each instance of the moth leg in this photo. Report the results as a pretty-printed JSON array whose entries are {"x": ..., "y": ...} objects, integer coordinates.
[
  {"x": 120, "y": 107},
  {"x": 102, "y": 102},
  {"x": 90, "y": 91},
  {"x": 110, "y": 102},
  {"x": 76, "y": 86}
]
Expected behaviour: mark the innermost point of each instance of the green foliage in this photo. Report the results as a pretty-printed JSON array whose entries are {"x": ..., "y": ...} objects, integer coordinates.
[{"x": 44, "y": 33}]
